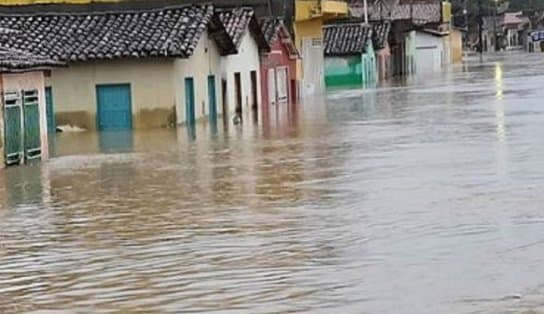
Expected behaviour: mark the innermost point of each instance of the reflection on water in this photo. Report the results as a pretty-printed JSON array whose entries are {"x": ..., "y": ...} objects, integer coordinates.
[{"x": 422, "y": 195}]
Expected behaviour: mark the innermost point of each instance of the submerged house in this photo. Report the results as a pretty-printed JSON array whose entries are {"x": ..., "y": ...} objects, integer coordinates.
[
  {"x": 380, "y": 41},
  {"x": 144, "y": 68},
  {"x": 240, "y": 72},
  {"x": 429, "y": 50},
  {"x": 278, "y": 67},
  {"x": 349, "y": 54},
  {"x": 23, "y": 123}
]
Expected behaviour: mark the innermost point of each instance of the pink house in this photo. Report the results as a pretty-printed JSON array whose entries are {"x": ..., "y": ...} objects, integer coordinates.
[
  {"x": 380, "y": 40},
  {"x": 278, "y": 67}
]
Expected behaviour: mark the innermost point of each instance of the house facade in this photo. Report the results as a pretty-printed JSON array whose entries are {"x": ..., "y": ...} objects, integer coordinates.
[
  {"x": 240, "y": 79},
  {"x": 310, "y": 16},
  {"x": 380, "y": 41},
  {"x": 349, "y": 55},
  {"x": 278, "y": 67},
  {"x": 429, "y": 51},
  {"x": 127, "y": 69},
  {"x": 23, "y": 122}
]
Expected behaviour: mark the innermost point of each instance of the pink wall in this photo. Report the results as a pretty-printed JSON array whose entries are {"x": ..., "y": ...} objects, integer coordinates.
[
  {"x": 278, "y": 56},
  {"x": 384, "y": 62}
]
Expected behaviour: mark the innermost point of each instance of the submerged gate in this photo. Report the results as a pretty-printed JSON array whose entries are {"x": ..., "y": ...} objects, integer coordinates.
[{"x": 21, "y": 127}]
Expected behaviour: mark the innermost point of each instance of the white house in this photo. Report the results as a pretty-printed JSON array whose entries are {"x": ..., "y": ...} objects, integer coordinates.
[
  {"x": 240, "y": 79},
  {"x": 430, "y": 53}
]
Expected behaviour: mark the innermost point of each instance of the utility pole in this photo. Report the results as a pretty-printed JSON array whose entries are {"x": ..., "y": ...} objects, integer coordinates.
[
  {"x": 496, "y": 43},
  {"x": 480, "y": 26},
  {"x": 365, "y": 9}
]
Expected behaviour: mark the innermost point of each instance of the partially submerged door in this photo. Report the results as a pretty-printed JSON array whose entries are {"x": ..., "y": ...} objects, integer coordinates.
[
  {"x": 51, "y": 125},
  {"x": 238, "y": 92},
  {"x": 283, "y": 96},
  {"x": 190, "y": 101},
  {"x": 13, "y": 128},
  {"x": 114, "y": 110},
  {"x": 212, "y": 100},
  {"x": 272, "y": 86},
  {"x": 32, "y": 135}
]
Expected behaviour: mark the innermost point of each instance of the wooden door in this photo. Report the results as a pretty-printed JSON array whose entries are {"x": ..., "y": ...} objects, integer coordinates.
[
  {"x": 190, "y": 101},
  {"x": 114, "y": 104}
]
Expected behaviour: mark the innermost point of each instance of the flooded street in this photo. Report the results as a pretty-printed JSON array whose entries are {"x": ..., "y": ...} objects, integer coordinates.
[{"x": 420, "y": 197}]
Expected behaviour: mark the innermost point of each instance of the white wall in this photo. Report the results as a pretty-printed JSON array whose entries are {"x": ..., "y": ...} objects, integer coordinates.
[
  {"x": 245, "y": 61},
  {"x": 205, "y": 61},
  {"x": 429, "y": 53},
  {"x": 30, "y": 81}
]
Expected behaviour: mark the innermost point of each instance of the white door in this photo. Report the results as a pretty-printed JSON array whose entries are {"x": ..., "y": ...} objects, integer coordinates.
[
  {"x": 272, "y": 94},
  {"x": 283, "y": 94}
]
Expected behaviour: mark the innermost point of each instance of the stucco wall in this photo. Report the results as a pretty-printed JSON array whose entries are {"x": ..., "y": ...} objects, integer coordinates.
[
  {"x": 278, "y": 57},
  {"x": 429, "y": 53},
  {"x": 456, "y": 45},
  {"x": 74, "y": 91},
  {"x": 204, "y": 62},
  {"x": 245, "y": 61},
  {"x": 383, "y": 57},
  {"x": 30, "y": 81},
  {"x": 306, "y": 29}
]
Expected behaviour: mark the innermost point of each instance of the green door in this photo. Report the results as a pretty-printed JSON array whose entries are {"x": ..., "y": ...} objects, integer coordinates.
[
  {"x": 212, "y": 100},
  {"x": 190, "y": 101},
  {"x": 32, "y": 135},
  {"x": 51, "y": 125},
  {"x": 114, "y": 107},
  {"x": 13, "y": 128}
]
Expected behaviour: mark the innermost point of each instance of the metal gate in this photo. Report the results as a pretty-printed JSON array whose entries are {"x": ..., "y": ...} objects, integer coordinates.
[{"x": 22, "y": 134}]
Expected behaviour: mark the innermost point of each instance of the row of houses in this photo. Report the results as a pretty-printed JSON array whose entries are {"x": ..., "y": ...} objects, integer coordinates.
[
  {"x": 152, "y": 68},
  {"x": 136, "y": 67}
]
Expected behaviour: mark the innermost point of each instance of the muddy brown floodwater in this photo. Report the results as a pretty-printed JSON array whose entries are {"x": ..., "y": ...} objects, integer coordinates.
[{"x": 420, "y": 197}]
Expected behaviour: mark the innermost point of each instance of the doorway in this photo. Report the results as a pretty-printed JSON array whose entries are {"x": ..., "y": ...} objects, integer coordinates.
[
  {"x": 190, "y": 101},
  {"x": 254, "y": 98},
  {"x": 224, "y": 103},
  {"x": 212, "y": 100},
  {"x": 238, "y": 93},
  {"x": 114, "y": 107}
]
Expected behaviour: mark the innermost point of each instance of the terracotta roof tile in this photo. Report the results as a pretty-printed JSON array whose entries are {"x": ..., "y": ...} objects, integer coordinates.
[
  {"x": 346, "y": 38},
  {"x": 14, "y": 60},
  {"x": 167, "y": 32}
]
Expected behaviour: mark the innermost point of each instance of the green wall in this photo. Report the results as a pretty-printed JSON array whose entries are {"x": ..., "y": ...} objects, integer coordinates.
[{"x": 351, "y": 71}]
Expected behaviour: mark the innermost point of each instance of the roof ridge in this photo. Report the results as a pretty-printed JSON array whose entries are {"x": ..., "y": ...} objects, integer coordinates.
[{"x": 105, "y": 12}]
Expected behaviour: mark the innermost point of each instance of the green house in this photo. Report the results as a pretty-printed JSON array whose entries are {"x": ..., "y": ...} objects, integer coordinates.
[{"x": 350, "y": 60}]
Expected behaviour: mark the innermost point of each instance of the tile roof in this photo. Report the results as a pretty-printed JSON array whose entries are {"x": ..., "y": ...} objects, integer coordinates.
[
  {"x": 167, "y": 32},
  {"x": 270, "y": 27},
  {"x": 237, "y": 21},
  {"x": 273, "y": 28},
  {"x": 346, "y": 38},
  {"x": 380, "y": 34},
  {"x": 16, "y": 61},
  {"x": 419, "y": 13}
]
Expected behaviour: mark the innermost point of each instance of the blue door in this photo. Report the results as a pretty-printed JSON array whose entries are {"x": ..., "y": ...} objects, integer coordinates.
[
  {"x": 190, "y": 101},
  {"x": 212, "y": 100},
  {"x": 50, "y": 114},
  {"x": 114, "y": 104}
]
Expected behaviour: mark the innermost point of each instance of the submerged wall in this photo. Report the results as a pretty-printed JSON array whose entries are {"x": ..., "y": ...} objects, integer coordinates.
[
  {"x": 343, "y": 71},
  {"x": 74, "y": 91},
  {"x": 30, "y": 81}
]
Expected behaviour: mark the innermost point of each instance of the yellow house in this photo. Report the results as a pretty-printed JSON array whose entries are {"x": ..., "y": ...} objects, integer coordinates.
[{"x": 310, "y": 16}]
